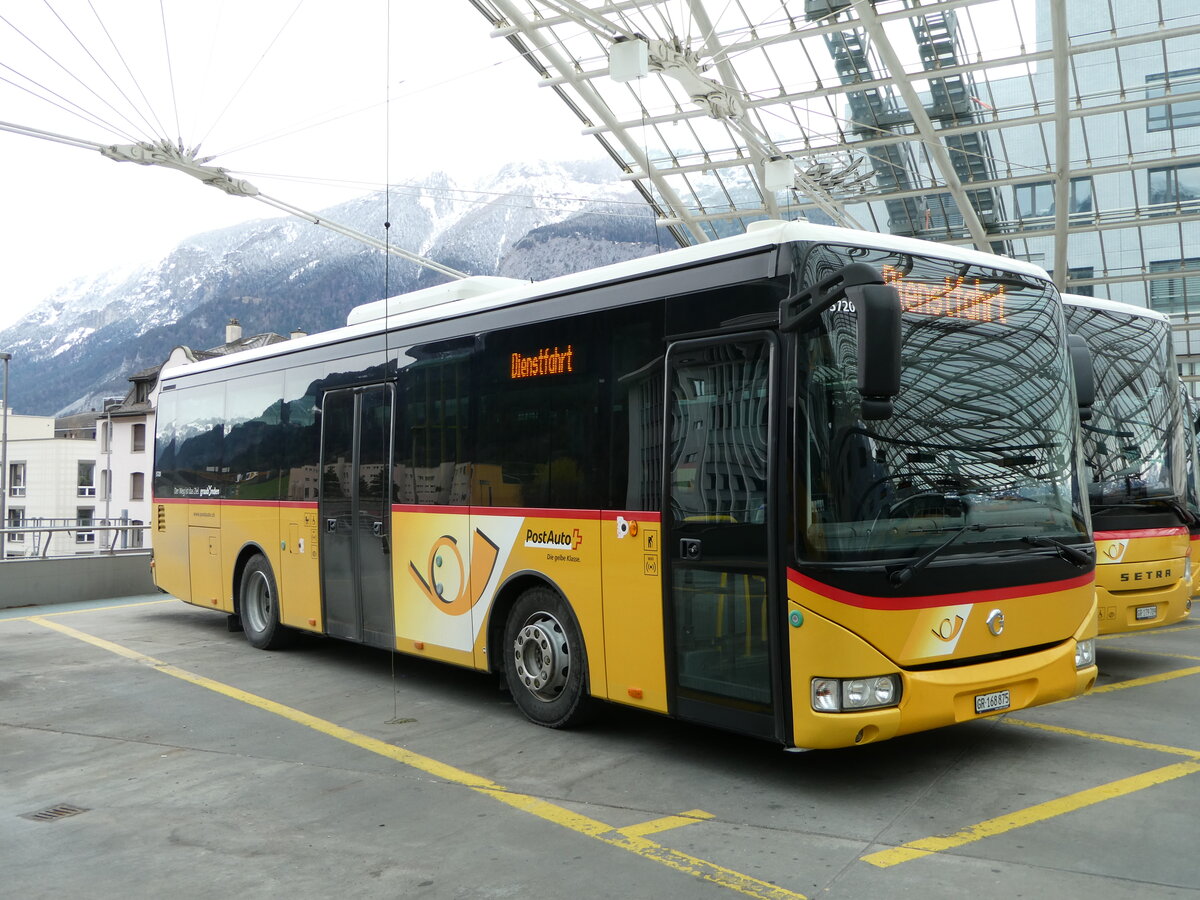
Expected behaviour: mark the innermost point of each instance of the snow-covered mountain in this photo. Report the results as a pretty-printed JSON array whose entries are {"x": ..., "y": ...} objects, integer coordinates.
[{"x": 533, "y": 220}]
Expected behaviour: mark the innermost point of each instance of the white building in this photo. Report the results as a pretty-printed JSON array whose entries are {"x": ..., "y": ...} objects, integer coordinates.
[
  {"x": 125, "y": 454},
  {"x": 95, "y": 469},
  {"x": 51, "y": 481}
]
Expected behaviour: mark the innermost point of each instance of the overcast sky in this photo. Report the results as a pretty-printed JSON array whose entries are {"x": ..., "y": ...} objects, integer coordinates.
[{"x": 240, "y": 73}]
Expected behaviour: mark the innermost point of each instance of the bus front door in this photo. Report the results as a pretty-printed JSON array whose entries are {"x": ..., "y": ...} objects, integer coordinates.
[
  {"x": 355, "y": 514},
  {"x": 722, "y": 605}
]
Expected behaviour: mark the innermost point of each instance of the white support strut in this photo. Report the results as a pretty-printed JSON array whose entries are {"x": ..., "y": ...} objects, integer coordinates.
[{"x": 168, "y": 156}]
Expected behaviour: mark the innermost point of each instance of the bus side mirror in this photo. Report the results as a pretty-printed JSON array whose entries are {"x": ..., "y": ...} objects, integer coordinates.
[
  {"x": 1085, "y": 376},
  {"x": 878, "y": 307}
]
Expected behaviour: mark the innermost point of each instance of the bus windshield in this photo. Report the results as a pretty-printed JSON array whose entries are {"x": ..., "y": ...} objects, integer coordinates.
[
  {"x": 1133, "y": 443},
  {"x": 980, "y": 448}
]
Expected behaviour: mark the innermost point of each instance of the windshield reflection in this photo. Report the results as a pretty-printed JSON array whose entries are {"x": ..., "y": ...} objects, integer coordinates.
[
  {"x": 981, "y": 442},
  {"x": 1133, "y": 443}
]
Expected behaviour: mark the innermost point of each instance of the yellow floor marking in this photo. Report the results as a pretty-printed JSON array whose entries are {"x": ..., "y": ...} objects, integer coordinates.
[
  {"x": 666, "y": 823},
  {"x": 74, "y": 612},
  {"x": 558, "y": 815},
  {"x": 1109, "y": 738},
  {"x": 1163, "y": 653},
  {"x": 1033, "y": 814},
  {"x": 1170, "y": 629},
  {"x": 1149, "y": 679}
]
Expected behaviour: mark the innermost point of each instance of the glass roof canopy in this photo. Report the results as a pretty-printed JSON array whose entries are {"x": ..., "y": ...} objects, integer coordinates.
[{"x": 1065, "y": 133}]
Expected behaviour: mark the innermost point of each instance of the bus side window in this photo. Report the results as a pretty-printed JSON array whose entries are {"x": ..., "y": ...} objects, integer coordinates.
[
  {"x": 432, "y": 446},
  {"x": 252, "y": 448}
]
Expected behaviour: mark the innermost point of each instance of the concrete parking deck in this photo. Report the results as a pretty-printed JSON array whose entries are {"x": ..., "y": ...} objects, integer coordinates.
[{"x": 204, "y": 768}]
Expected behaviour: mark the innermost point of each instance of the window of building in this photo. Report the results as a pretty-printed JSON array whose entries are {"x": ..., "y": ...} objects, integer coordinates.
[
  {"x": 16, "y": 518},
  {"x": 139, "y": 437},
  {"x": 1170, "y": 116},
  {"x": 1078, "y": 273},
  {"x": 1177, "y": 184},
  {"x": 106, "y": 436},
  {"x": 1037, "y": 199},
  {"x": 1175, "y": 295},
  {"x": 87, "y": 478},
  {"x": 16, "y": 479},
  {"x": 137, "y": 486},
  {"x": 85, "y": 518},
  {"x": 137, "y": 534},
  {"x": 106, "y": 484}
]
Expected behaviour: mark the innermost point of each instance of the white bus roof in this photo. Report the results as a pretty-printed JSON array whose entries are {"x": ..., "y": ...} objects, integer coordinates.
[
  {"x": 1115, "y": 306},
  {"x": 482, "y": 293}
]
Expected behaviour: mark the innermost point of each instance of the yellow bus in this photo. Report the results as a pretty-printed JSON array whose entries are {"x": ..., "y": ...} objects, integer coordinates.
[
  {"x": 1136, "y": 452},
  {"x": 808, "y": 484},
  {"x": 1188, "y": 405}
]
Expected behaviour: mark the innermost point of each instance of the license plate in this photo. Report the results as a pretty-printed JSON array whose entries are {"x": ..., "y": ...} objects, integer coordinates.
[
  {"x": 992, "y": 702},
  {"x": 1145, "y": 612}
]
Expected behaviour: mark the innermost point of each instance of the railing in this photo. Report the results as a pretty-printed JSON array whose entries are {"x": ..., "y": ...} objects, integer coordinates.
[{"x": 102, "y": 537}]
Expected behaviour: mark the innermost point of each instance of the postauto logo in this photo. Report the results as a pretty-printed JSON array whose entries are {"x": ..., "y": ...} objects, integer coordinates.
[{"x": 553, "y": 540}]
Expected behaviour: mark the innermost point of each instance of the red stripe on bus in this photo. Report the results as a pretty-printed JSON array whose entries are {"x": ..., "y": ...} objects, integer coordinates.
[
  {"x": 1140, "y": 533},
  {"x": 638, "y": 515},
  {"x": 512, "y": 511},
  {"x": 993, "y": 595}
]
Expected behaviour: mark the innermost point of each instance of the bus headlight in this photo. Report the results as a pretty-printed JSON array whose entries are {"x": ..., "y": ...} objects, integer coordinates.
[
  {"x": 851, "y": 694},
  {"x": 1085, "y": 653}
]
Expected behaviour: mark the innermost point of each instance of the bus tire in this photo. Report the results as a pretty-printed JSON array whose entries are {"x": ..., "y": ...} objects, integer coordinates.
[
  {"x": 258, "y": 606},
  {"x": 545, "y": 662}
]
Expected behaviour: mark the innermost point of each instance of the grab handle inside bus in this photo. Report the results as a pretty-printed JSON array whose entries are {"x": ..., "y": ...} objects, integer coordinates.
[{"x": 1085, "y": 375}]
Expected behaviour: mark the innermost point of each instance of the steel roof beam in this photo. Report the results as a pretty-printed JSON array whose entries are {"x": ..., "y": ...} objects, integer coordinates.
[
  {"x": 1062, "y": 143},
  {"x": 930, "y": 135},
  {"x": 1035, "y": 178},
  {"x": 602, "y": 111},
  {"x": 994, "y": 124},
  {"x": 944, "y": 72}
]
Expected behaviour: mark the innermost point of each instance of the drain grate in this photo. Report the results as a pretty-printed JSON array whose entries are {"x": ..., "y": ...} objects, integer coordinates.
[{"x": 54, "y": 813}]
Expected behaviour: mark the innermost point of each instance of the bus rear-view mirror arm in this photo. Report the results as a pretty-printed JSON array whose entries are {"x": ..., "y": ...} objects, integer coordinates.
[{"x": 877, "y": 307}]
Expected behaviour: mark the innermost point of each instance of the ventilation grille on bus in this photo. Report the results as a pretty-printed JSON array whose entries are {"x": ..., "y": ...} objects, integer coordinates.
[{"x": 160, "y": 518}]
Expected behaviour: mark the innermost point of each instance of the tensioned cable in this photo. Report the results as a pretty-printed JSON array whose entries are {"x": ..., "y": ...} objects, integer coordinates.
[
  {"x": 387, "y": 160},
  {"x": 149, "y": 106},
  {"x": 250, "y": 74},
  {"x": 78, "y": 112},
  {"x": 387, "y": 268},
  {"x": 103, "y": 71},
  {"x": 36, "y": 46},
  {"x": 170, "y": 70},
  {"x": 278, "y": 135},
  {"x": 417, "y": 187}
]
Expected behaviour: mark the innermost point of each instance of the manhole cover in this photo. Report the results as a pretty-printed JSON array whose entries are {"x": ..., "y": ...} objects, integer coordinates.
[{"x": 55, "y": 812}]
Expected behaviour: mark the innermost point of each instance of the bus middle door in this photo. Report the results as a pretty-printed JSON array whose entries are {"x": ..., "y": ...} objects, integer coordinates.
[{"x": 355, "y": 514}]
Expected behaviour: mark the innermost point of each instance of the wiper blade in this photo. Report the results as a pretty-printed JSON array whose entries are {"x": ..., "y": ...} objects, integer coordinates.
[
  {"x": 1066, "y": 551},
  {"x": 903, "y": 575}
]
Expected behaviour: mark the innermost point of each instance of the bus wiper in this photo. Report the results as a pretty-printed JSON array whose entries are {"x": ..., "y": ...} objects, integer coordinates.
[
  {"x": 1066, "y": 551},
  {"x": 1186, "y": 515},
  {"x": 903, "y": 575}
]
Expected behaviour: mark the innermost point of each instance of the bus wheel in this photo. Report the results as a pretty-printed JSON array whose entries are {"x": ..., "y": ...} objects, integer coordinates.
[
  {"x": 259, "y": 606},
  {"x": 545, "y": 661}
]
